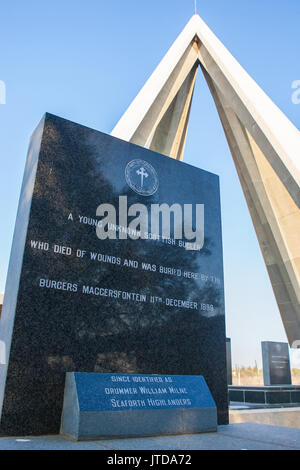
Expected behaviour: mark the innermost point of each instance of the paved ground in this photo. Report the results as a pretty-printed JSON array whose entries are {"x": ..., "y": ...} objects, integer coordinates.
[{"x": 244, "y": 436}]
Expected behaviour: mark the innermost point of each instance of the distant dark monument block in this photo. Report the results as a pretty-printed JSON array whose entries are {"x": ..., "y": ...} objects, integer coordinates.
[
  {"x": 105, "y": 405},
  {"x": 276, "y": 363},
  {"x": 228, "y": 361},
  {"x": 74, "y": 302}
]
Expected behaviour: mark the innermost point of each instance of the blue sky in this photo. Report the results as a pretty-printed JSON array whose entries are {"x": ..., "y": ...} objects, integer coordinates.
[{"x": 87, "y": 60}]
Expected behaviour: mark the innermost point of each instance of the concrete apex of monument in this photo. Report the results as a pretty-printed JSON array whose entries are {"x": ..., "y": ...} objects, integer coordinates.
[
  {"x": 263, "y": 142},
  {"x": 228, "y": 72}
]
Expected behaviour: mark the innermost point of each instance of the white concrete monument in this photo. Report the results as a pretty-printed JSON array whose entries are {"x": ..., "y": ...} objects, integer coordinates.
[{"x": 264, "y": 144}]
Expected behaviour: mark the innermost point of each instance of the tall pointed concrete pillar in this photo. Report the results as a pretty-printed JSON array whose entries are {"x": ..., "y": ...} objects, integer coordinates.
[{"x": 264, "y": 145}]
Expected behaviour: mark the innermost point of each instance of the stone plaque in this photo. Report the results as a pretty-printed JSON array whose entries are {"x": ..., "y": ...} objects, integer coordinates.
[
  {"x": 126, "y": 405},
  {"x": 122, "y": 304}
]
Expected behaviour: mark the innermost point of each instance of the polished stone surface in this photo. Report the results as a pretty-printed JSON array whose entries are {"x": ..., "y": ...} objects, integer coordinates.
[
  {"x": 276, "y": 363},
  {"x": 120, "y": 405},
  {"x": 55, "y": 326},
  {"x": 244, "y": 436}
]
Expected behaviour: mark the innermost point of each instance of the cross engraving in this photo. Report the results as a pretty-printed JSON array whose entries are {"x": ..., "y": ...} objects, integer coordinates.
[{"x": 142, "y": 173}]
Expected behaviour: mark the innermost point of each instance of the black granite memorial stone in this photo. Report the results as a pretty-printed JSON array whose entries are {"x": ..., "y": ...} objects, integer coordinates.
[
  {"x": 74, "y": 302},
  {"x": 276, "y": 363}
]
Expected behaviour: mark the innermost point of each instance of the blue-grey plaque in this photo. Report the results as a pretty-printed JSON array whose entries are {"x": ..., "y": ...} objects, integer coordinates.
[{"x": 127, "y": 405}]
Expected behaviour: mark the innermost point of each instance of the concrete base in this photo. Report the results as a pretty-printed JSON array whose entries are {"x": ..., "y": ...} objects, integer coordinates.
[
  {"x": 287, "y": 417},
  {"x": 246, "y": 436}
]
